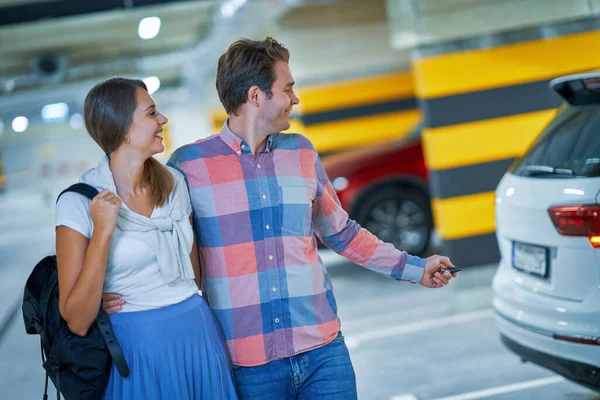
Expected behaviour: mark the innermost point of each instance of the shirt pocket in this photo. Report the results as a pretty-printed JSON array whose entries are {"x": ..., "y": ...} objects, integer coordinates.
[{"x": 294, "y": 209}]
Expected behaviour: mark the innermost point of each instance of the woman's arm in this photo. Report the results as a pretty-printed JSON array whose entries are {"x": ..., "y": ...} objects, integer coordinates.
[
  {"x": 82, "y": 264},
  {"x": 195, "y": 256}
]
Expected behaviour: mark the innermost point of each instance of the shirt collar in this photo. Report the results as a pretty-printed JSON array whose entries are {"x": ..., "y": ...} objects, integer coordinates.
[{"x": 237, "y": 144}]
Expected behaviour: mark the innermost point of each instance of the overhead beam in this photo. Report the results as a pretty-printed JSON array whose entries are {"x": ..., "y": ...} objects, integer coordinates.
[{"x": 35, "y": 11}]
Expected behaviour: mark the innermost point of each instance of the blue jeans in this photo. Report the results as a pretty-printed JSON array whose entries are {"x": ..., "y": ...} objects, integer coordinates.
[{"x": 322, "y": 373}]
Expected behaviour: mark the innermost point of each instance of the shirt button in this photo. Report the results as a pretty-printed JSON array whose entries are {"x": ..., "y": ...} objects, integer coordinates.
[
  {"x": 268, "y": 227},
  {"x": 239, "y": 153},
  {"x": 270, "y": 257},
  {"x": 264, "y": 196},
  {"x": 258, "y": 165},
  {"x": 276, "y": 320},
  {"x": 274, "y": 289}
]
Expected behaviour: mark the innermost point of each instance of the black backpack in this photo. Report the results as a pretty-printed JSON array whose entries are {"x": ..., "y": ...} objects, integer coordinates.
[{"x": 78, "y": 366}]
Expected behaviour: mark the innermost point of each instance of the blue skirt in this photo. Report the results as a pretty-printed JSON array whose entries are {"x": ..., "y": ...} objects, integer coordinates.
[{"x": 174, "y": 353}]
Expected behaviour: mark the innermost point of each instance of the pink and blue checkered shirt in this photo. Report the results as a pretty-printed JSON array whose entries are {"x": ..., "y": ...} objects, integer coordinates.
[{"x": 254, "y": 219}]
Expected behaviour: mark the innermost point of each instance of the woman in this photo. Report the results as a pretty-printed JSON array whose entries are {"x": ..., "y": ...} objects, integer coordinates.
[{"x": 135, "y": 238}]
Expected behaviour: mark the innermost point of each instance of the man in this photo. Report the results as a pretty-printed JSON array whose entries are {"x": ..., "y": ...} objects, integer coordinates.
[{"x": 258, "y": 197}]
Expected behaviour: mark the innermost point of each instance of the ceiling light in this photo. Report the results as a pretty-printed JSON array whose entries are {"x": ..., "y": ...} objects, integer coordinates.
[
  {"x": 20, "y": 124},
  {"x": 149, "y": 28},
  {"x": 1, "y": 127},
  {"x": 152, "y": 83},
  {"x": 230, "y": 7},
  {"x": 55, "y": 112},
  {"x": 76, "y": 121}
]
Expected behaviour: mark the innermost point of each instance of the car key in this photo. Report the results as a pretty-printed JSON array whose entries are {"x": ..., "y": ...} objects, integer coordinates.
[{"x": 451, "y": 270}]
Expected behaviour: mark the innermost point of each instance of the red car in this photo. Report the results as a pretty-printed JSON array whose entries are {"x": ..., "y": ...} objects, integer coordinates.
[{"x": 384, "y": 188}]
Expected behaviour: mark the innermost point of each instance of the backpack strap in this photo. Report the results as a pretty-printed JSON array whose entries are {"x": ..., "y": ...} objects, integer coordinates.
[
  {"x": 111, "y": 342},
  {"x": 82, "y": 188},
  {"x": 102, "y": 318}
]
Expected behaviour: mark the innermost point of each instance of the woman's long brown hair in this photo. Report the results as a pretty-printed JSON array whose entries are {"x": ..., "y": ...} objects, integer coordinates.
[{"x": 108, "y": 113}]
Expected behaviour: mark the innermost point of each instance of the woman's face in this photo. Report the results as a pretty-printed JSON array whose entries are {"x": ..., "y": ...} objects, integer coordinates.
[{"x": 145, "y": 132}]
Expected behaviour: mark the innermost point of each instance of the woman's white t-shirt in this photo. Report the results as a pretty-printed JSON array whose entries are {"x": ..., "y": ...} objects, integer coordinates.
[{"x": 132, "y": 269}]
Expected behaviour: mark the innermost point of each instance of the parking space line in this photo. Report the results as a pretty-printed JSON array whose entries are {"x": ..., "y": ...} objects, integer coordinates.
[
  {"x": 515, "y": 387},
  {"x": 409, "y": 396},
  {"x": 353, "y": 341}
]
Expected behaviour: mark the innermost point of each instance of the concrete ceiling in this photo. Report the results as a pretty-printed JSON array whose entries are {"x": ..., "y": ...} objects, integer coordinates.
[
  {"x": 340, "y": 40},
  {"x": 329, "y": 40},
  {"x": 94, "y": 42},
  {"x": 416, "y": 23},
  {"x": 87, "y": 41}
]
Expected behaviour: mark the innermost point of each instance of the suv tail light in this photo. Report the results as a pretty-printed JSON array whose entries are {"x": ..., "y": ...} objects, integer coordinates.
[{"x": 578, "y": 220}]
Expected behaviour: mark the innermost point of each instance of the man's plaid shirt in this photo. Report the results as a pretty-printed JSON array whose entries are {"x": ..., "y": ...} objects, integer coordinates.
[{"x": 254, "y": 219}]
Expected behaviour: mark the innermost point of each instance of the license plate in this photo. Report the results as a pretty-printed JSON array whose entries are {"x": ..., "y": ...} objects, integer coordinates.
[{"x": 531, "y": 259}]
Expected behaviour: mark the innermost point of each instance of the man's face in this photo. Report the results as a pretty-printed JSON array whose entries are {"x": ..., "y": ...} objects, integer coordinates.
[{"x": 277, "y": 110}]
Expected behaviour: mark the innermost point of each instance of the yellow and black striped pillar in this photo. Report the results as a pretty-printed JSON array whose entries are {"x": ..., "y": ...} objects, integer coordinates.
[
  {"x": 483, "y": 102},
  {"x": 359, "y": 111},
  {"x": 353, "y": 112}
]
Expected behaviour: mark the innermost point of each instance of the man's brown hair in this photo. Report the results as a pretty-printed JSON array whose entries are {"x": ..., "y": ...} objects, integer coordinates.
[
  {"x": 108, "y": 113},
  {"x": 248, "y": 63}
]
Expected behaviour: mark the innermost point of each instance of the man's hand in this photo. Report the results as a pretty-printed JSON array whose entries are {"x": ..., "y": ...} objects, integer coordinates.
[
  {"x": 112, "y": 302},
  {"x": 432, "y": 278}
]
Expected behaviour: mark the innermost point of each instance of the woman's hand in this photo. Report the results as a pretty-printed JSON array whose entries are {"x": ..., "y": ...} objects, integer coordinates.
[
  {"x": 103, "y": 212},
  {"x": 112, "y": 302}
]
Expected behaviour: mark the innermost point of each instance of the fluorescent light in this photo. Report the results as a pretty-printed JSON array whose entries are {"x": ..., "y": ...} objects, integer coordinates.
[
  {"x": 227, "y": 10},
  {"x": 76, "y": 121},
  {"x": 152, "y": 83},
  {"x": 230, "y": 7},
  {"x": 55, "y": 112},
  {"x": 149, "y": 28},
  {"x": 20, "y": 124}
]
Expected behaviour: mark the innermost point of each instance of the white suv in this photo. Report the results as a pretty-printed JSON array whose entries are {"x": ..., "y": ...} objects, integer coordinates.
[{"x": 547, "y": 287}]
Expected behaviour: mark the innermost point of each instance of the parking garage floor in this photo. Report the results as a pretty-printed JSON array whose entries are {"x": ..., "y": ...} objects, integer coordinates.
[{"x": 406, "y": 342}]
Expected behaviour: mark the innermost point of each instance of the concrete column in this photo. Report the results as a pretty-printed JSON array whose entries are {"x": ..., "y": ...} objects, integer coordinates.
[
  {"x": 360, "y": 111},
  {"x": 484, "y": 100},
  {"x": 481, "y": 76}
]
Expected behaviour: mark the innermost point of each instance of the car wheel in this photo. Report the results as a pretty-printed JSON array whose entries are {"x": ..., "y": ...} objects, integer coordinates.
[{"x": 399, "y": 216}]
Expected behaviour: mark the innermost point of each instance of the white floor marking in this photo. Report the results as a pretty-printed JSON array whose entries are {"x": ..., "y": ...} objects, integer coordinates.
[
  {"x": 409, "y": 396},
  {"x": 515, "y": 387},
  {"x": 353, "y": 341}
]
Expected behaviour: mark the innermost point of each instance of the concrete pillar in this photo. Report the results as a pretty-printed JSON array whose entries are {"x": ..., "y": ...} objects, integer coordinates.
[
  {"x": 484, "y": 100},
  {"x": 357, "y": 112},
  {"x": 353, "y": 112},
  {"x": 481, "y": 72}
]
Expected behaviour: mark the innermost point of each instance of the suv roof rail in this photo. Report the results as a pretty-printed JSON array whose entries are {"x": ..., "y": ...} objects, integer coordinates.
[{"x": 578, "y": 89}]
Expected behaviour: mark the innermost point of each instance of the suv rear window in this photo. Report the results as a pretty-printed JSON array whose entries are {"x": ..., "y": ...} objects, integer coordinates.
[{"x": 569, "y": 146}]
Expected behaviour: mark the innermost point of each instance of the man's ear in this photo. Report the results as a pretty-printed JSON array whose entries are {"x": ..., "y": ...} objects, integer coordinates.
[{"x": 254, "y": 95}]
